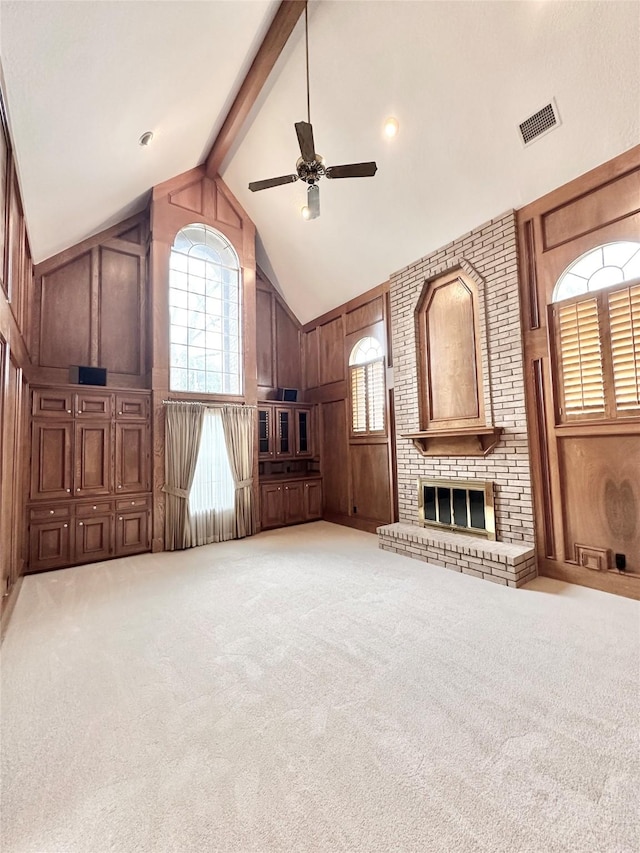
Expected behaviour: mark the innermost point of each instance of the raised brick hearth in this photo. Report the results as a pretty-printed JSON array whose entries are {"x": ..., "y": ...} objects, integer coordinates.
[
  {"x": 499, "y": 562},
  {"x": 489, "y": 256}
]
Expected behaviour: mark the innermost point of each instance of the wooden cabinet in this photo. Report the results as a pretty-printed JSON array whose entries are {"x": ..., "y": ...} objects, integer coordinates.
[
  {"x": 51, "y": 461},
  {"x": 313, "y": 499},
  {"x": 292, "y": 501},
  {"x": 284, "y": 432},
  {"x": 92, "y": 458},
  {"x": 49, "y": 544},
  {"x": 132, "y": 460},
  {"x": 88, "y": 444},
  {"x": 294, "y": 509},
  {"x": 132, "y": 532}
]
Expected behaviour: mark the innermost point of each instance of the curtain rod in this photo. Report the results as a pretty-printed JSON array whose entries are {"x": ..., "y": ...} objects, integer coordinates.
[{"x": 207, "y": 404}]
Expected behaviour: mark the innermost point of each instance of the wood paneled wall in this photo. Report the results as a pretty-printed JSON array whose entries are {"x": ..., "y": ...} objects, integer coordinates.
[
  {"x": 278, "y": 342},
  {"x": 194, "y": 198},
  {"x": 15, "y": 366},
  {"x": 586, "y": 474},
  {"x": 90, "y": 307},
  {"x": 357, "y": 471}
]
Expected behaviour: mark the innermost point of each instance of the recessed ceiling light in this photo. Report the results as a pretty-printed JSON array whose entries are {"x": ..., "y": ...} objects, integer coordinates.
[
  {"x": 391, "y": 127},
  {"x": 306, "y": 213},
  {"x": 145, "y": 139}
]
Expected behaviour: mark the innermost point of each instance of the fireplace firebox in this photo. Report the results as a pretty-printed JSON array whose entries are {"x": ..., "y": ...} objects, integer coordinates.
[{"x": 465, "y": 506}]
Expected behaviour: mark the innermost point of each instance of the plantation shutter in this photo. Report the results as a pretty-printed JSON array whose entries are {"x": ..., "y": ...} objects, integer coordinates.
[
  {"x": 375, "y": 394},
  {"x": 624, "y": 321},
  {"x": 581, "y": 358},
  {"x": 358, "y": 399}
]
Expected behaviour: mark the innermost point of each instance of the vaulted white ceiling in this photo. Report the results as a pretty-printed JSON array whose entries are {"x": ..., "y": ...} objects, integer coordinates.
[{"x": 84, "y": 80}]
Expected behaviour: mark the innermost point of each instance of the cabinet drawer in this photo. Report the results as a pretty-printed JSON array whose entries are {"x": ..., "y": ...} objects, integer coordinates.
[
  {"x": 132, "y": 407},
  {"x": 133, "y": 503},
  {"x": 86, "y": 510},
  {"x": 49, "y": 513},
  {"x": 94, "y": 405},
  {"x": 52, "y": 403}
]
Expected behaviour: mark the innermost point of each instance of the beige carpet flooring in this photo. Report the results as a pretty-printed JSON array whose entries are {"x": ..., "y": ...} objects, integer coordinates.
[{"x": 304, "y": 691}]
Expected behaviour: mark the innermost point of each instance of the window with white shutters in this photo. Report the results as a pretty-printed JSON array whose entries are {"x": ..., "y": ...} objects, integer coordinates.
[
  {"x": 598, "y": 354},
  {"x": 624, "y": 322},
  {"x": 366, "y": 366},
  {"x": 581, "y": 359}
]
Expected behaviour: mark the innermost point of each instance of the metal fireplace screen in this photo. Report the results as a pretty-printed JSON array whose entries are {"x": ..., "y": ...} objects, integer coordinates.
[{"x": 457, "y": 505}]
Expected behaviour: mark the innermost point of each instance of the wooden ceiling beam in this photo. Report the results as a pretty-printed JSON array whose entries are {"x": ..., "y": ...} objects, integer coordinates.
[{"x": 281, "y": 28}]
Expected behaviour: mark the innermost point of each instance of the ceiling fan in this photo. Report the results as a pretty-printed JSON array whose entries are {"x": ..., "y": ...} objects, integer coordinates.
[{"x": 310, "y": 166}]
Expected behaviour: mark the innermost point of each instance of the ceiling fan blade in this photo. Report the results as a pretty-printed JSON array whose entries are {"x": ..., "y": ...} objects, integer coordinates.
[
  {"x": 313, "y": 201},
  {"x": 305, "y": 140},
  {"x": 352, "y": 170},
  {"x": 272, "y": 182}
]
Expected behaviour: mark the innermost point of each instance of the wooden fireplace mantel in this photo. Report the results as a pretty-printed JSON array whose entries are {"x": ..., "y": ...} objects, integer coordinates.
[{"x": 467, "y": 441}]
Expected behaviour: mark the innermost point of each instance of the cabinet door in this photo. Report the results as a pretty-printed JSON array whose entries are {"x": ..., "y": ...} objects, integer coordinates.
[
  {"x": 132, "y": 407},
  {"x": 92, "y": 459},
  {"x": 93, "y": 539},
  {"x": 293, "y": 503},
  {"x": 265, "y": 433},
  {"x": 303, "y": 432},
  {"x": 51, "y": 464},
  {"x": 49, "y": 545},
  {"x": 132, "y": 533},
  {"x": 272, "y": 506},
  {"x": 132, "y": 457},
  {"x": 94, "y": 405},
  {"x": 313, "y": 499},
  {"x": 284, "y": 432}
]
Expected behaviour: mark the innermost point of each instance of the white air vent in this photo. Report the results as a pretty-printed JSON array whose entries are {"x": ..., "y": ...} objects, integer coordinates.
[{"x": 539, "y": 123}]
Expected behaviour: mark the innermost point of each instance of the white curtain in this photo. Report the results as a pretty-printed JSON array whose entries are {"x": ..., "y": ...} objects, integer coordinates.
[
  {"x": 212, "y": 495},
  {"x": 240, "y": 428}
]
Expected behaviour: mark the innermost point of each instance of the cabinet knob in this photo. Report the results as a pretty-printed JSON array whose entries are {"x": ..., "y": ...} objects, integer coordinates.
[
  {"x": 133, "y": 503},
  {"x": 65, "y": 525},
  {"x": 95, "y": 507},
  {"x": 68, "y": 411},
  {"x": 52, "y": 512},
  {"x": 81, "y": 524},
  {"x": 120, "y": 518},
  {"x": 119, "y": 487},
  {"x": 119, "y": 413},
  {"x": 68, "y": 490},
  {"x": 77, "y": 490}
]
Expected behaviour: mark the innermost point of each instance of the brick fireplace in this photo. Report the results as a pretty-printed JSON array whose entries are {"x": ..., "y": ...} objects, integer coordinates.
[{"x": 487, "y": 255}]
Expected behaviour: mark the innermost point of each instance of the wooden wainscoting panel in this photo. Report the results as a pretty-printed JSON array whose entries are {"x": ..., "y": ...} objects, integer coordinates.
[
  {"x": 365, "y": 315},
  {"x": 370, "y": 487},
  {"x": 331, "y": 351},
  {"x": 289, "y": 368},
  {"x": 311, "y": 358},
  {"x": 65, "y": 312},
  {"x": 598, "y": 207},
  {"x": 122, "y": 312},
  {"x": 334, "y": 455},
  {"x": 264, "y": 339},
  {"x": 601, "y": 491}
]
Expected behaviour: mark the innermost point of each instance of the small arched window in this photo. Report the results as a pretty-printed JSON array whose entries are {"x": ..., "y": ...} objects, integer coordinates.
[
  {"x": 205, "y": 333},
  {"x": 366, "y": 368},
  {"x": 596, "y": 318}
]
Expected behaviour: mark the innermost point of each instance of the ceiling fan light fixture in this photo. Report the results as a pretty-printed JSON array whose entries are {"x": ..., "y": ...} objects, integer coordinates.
[
  {"x": 306, "y": 213},
  {"x": 391, "y": 127}
]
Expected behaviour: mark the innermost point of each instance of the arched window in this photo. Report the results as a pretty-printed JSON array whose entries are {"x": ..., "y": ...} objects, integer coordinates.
[
  {"x": 596, "y": 319},
  {"x": 366, "y": 367},
  {"x": 205, "y": 333},
  {"x": 603, "y": 266}
]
